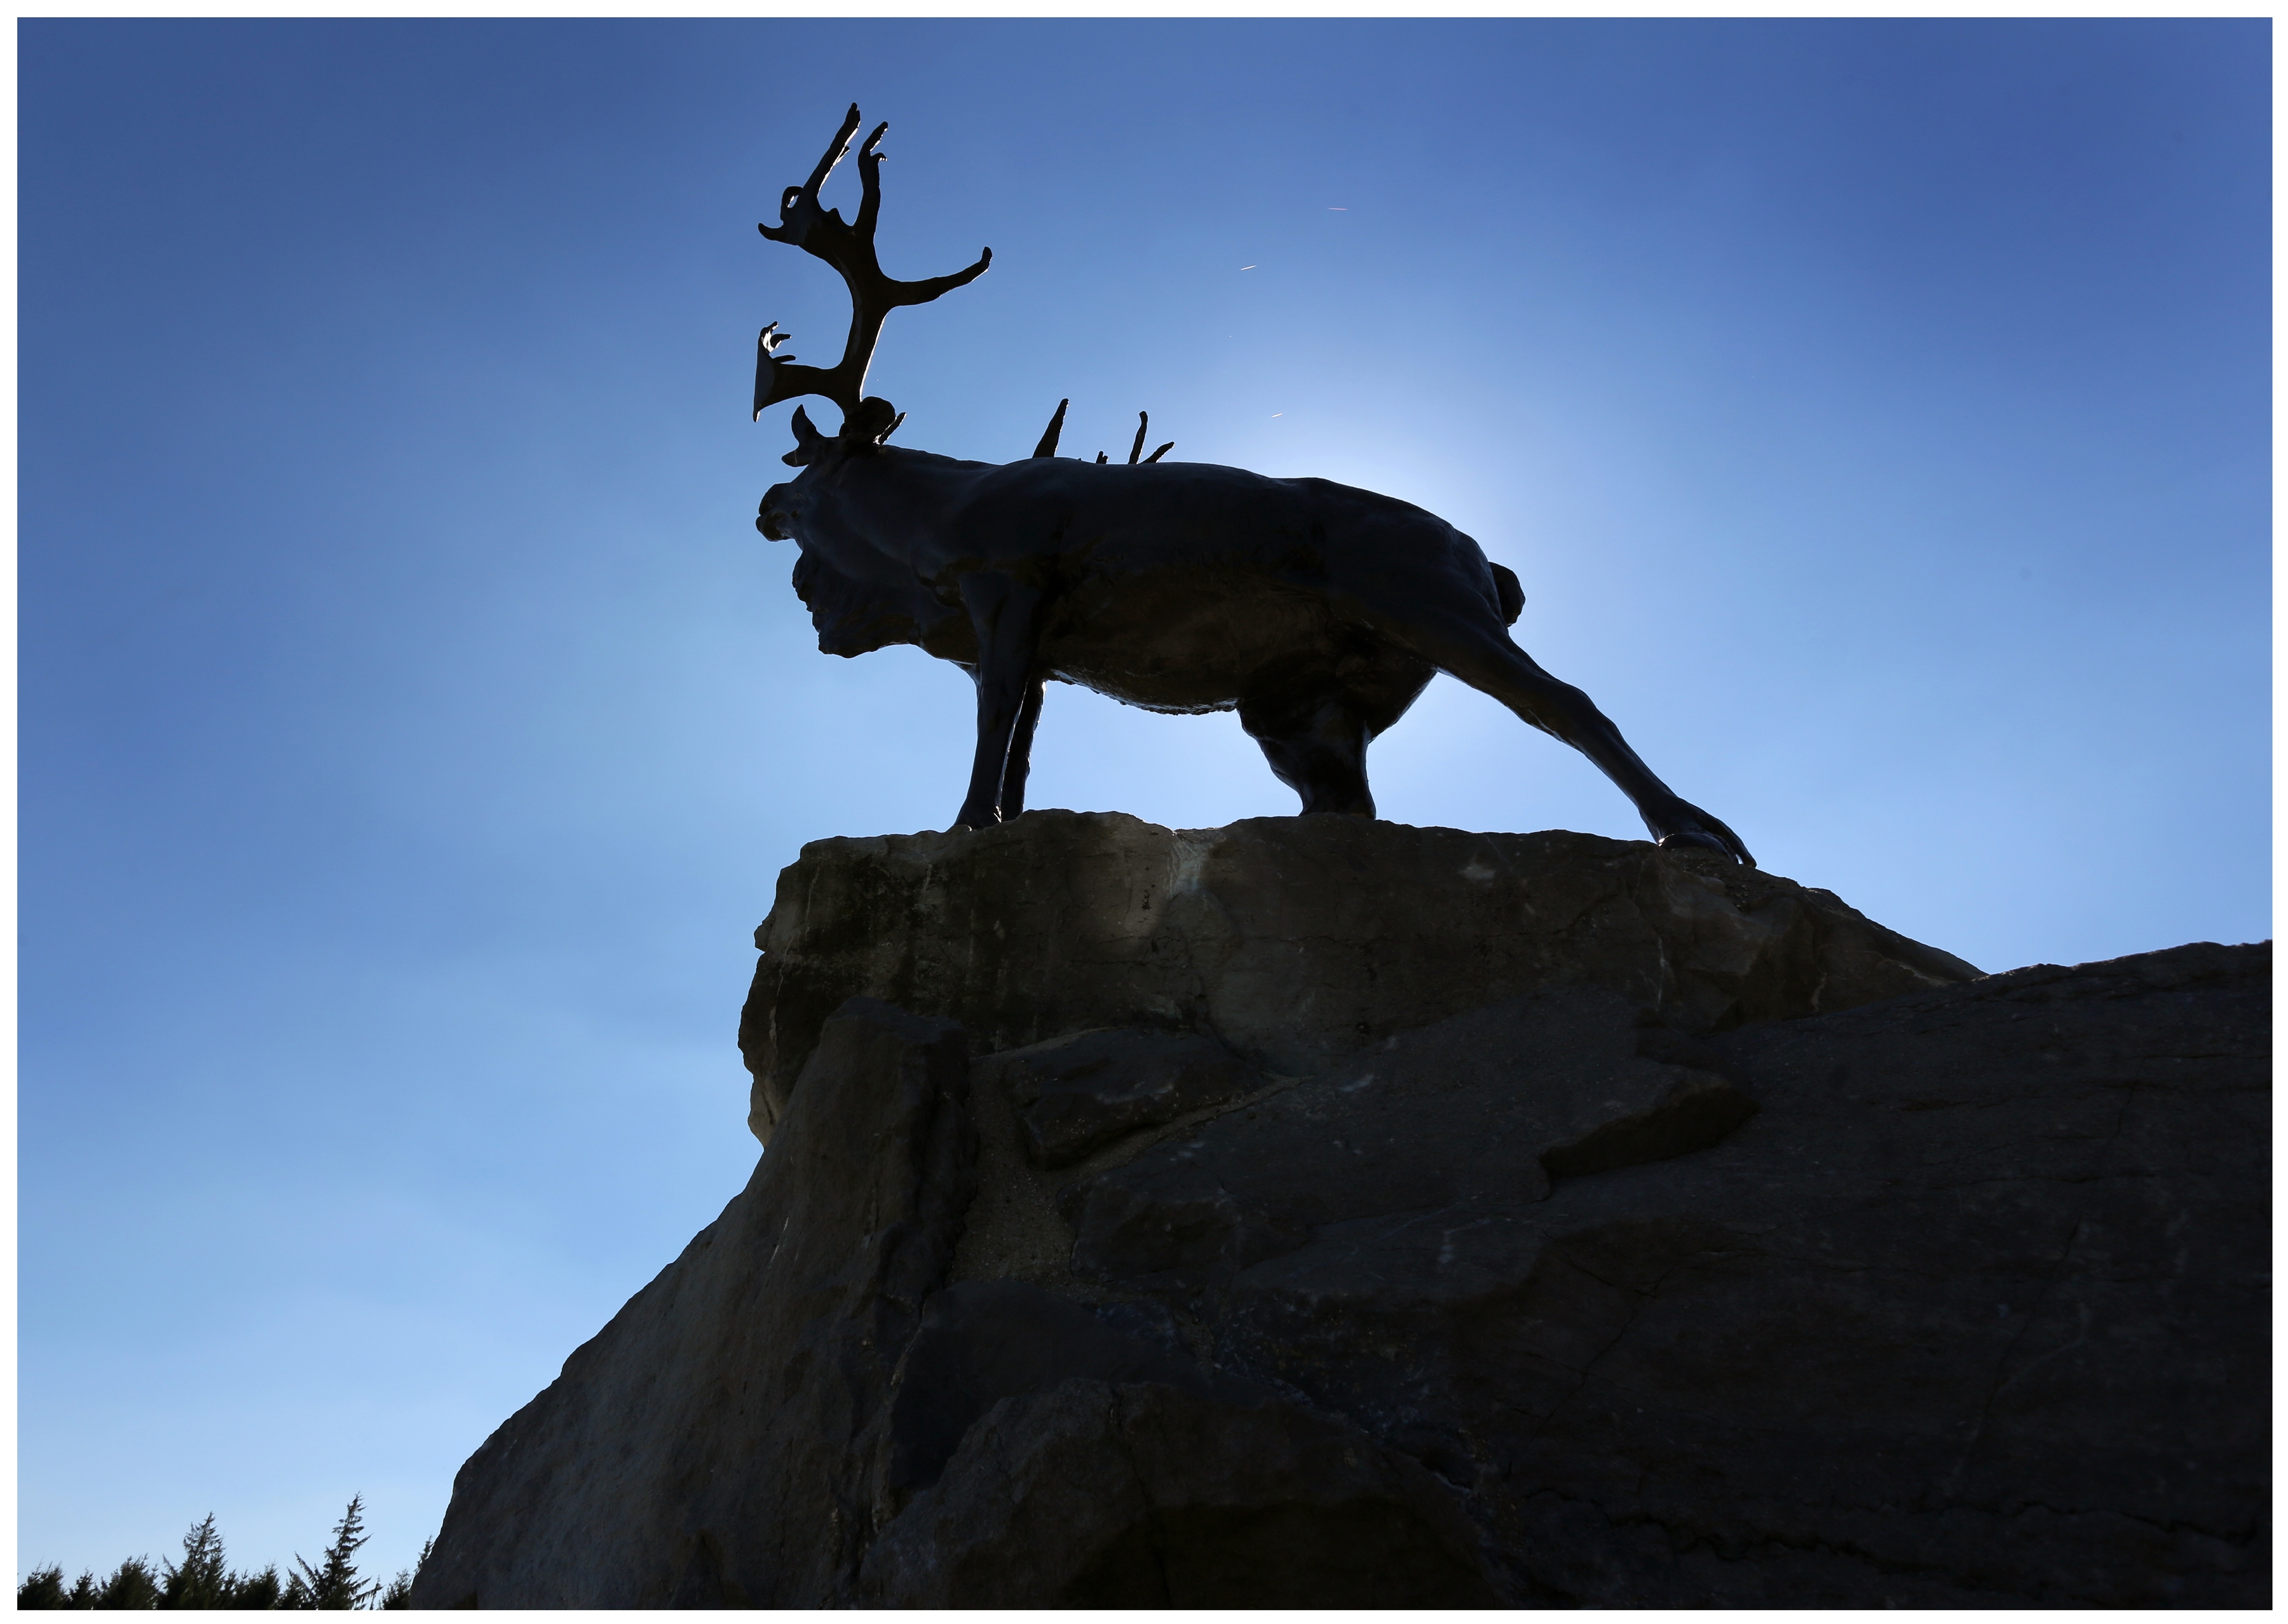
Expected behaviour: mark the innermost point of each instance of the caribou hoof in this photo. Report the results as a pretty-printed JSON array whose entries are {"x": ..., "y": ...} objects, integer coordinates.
[
  {"x": 972, "y": 816},
  {"x": 1688, "y": 826}
]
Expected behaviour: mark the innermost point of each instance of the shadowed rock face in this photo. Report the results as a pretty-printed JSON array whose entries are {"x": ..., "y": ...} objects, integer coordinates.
[
  {"x": 703, "y": 1449},
  {"x": 1970, "y": 1312},
  {"x": 1294, "y": 941},
  {"x": 1957, "y": 1298}
]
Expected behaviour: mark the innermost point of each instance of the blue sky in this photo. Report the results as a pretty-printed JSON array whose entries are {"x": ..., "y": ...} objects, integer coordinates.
[{"x": 413, "y": 724}]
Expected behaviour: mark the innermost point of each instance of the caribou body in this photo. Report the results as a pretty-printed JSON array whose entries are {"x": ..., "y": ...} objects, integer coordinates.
[{"x": 1317, "y": 611}]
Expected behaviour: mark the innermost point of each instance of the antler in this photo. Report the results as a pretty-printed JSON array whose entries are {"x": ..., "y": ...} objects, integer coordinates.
[
  {"x": 1143, "y": 422},
  {"x": 1048, "y": 445},
  {"x": 849, "y": 249}
]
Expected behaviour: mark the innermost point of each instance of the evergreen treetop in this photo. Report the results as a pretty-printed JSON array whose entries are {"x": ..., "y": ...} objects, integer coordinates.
[
  {"x": 333, "y": 1585},
  {"x": 203, "y": 1579}
]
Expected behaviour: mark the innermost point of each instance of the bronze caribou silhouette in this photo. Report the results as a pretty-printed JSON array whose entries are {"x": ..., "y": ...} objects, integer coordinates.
[{"x": 1317, "y": 611}]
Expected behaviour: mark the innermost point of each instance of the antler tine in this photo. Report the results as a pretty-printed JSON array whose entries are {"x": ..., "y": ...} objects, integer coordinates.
[
  {"x": 798, "y": 209},
  {"x": 1048, "y": 446},
  {"x": 825, "y": 235},
  {"x": 869, "y": 183},
  {"x": 1163, "y": 451},
  {"x": 1143, "y": 422},
  {"x": 836, "y": 150}
]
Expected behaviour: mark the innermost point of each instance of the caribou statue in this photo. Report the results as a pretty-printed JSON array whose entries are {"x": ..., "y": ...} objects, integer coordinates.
[{"x": 1317, "y": 611}]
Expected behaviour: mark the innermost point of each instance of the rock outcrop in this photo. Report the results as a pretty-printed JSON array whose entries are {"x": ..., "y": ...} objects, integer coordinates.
[
  {"x": 1295, "y": 940},
  {"x": 1574, "y": 1223}
]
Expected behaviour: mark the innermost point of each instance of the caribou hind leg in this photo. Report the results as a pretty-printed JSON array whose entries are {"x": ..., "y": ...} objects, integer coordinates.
[
  {"x": 1314, "y": 714},
  {"x": 1471, "y": 645},
  {"x": 1316, "y": 750}
]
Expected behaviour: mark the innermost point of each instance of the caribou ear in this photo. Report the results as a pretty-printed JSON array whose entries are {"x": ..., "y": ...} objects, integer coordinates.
[
  {"x": 807, "y": 441},
  {"x": 870, "y": 424}
]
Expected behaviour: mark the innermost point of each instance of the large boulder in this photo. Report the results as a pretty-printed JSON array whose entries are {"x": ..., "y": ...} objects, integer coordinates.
[
  {"x": 1971, "y": 1311},
  {"x": 1599, "y": 1286},
  {"x": 1295, "y": 940}
]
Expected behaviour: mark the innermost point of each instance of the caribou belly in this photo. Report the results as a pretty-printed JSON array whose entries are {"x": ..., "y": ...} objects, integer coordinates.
[{"x": 1182, "y": 643}]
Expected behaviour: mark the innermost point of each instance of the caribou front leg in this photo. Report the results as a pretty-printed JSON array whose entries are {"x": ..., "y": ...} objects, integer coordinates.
[
  {"x": 1006, "y": 615},
  {"x": 1020, "y": 747}
]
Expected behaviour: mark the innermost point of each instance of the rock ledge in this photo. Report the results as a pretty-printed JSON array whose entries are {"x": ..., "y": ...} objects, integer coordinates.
[
  {"x": 1316, "y": 1213},
  {"x": 1295, "y": 940}
]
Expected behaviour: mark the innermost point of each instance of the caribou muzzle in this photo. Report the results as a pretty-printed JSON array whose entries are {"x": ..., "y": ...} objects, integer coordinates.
[{"x": 772, "y": 517}]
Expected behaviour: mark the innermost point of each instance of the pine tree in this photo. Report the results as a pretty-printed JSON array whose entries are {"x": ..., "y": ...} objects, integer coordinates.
[
  {"x": 201, "y": 1580},
  {"x": 400, "y": 1593},
  {"x": 256, "y": 1591},
  {"x": 130, "y": 1586},
  {"x": 334, "y": 1585}
]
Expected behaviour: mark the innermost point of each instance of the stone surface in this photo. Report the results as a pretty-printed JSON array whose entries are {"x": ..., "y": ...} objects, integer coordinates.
[
  {"x": 984, "y": 1341},
  {"x": 706, "y": 1447},
  {"x": 1294, "y": 941},
  {"x": 1076, "y": 1093},
  {"x": 1971, "y": 1312},
  {"x": 1595, "y": 1291},
  {"x": 1095, "y": 1494},
  {"x": 1465, "y": 1114}
]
